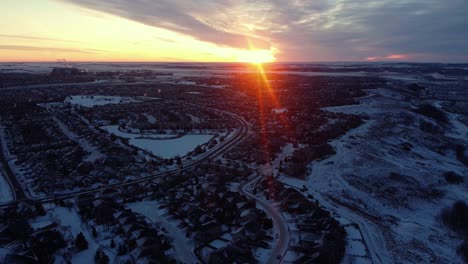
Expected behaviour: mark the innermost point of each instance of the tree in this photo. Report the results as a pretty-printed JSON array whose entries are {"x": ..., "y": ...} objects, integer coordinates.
[
  {"x": 44, "y": 245},
  {"x": 112, "y": 244},
  {"x": 94, "y": 232},
  {"x": 101, "y": 257},
  {"x": 198, "y": 150},
  {"x": 122, "y": 250},
  {"x": 104, "y": 259},
  {"x": 40, "y": 208},
  {"x": 80, "y": 242},
  {"x": 463, "y": 250},
  {"x": 456, "y": 217},
  {"x": 268, "y": 224},
  {"x": 178, "y": 161}
]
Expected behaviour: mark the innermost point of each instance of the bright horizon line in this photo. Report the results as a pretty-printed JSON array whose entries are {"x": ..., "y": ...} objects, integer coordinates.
[{"x": 240, "y": 62}]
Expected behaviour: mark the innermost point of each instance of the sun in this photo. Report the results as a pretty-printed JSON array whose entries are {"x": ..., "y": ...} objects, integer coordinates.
[{"x": 255, "y": 56}]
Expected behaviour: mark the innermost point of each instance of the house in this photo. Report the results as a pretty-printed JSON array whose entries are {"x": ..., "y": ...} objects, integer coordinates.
[
  {"x": 208, "y": 232},
  {"x": 231, "y": 254}
]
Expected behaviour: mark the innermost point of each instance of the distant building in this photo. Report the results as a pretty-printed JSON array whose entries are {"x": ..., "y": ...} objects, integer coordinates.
[{"x": 66, "y": 71}]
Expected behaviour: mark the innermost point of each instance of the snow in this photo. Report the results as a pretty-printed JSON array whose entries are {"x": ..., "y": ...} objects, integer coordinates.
[
  {"x": 40, "y": 222},
  {"x": 69, "y": 217},
  {"x": 150, "y": 118},
  {"x": 355, "y": 246},
  {"x": 3, "y": 253},
  {"x": 436, "y": 75},
  {"x": 6, "y": 195},
  {"x": 93, "y": 152},
  {"x": 194, "y": 119},
  {"x": 352, "y": 183},
  {"x": 262, "y": 254},
  {"x": 162, "y": 145},
  {"x": 460, "y": 130},
  {"x": 218, "y": 244},
  {"x": 183, "y": 246},
  {"x": 279, "y": 110},
  {"x": 93, "y": 100}
]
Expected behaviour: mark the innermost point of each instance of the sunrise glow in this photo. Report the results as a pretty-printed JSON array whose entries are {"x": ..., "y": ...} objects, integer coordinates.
[
  {"x": 74, "y": 33},
  {"x": 256, "y": 56}
]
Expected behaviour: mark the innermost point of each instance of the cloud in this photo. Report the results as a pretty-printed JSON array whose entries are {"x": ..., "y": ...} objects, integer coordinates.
[
  {"x": 311, "y": 30},
  {"x": 396, "y": 57},
  {"x": 353, "y": 30},
  {"x": 26, "y": 37},
  {"x": 48, "y": 49},
  {"x": 185, "y": 17}
]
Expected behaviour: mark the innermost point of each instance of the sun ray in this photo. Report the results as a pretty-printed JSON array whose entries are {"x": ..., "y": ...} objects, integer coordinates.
[{"x": 262, "y": 86}]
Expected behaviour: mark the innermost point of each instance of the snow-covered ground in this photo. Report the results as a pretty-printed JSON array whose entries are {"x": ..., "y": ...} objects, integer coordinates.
[
  {"x": 3, "y": 253},
  {"x": 183, "y": 246},
  {"x": 279, "y": 110},
  {"x": 162, "y": 145},
  {"x": 150, "y": 118},
  {"x": 19, "y": 171},
  {"x": 93, "y": 153},
  {"x": 6, "y": 194},
  {"x": 92, "y": 100},
  {"x": 69, "y": 217},
  {"x": 387, "y": 178}
]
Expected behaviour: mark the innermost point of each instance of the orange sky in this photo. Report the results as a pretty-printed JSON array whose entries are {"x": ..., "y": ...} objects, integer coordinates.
[{"x": 50, "y": 30}]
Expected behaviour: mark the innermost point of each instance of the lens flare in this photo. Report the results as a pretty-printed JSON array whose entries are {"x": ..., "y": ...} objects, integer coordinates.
[{"x": 264, "y": 87}]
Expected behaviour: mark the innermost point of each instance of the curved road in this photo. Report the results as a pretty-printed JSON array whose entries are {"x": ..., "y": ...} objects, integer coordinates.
[
  {"x": 282, "y": 242},
  {"x": 215, "y": 152},
  {"x": 220, "y": 149},
  {"x": 279, "y": 222}
]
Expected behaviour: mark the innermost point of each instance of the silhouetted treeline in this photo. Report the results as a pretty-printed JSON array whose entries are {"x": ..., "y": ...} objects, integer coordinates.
[
  {"x": 456, "y": 218},
  {"x": 432, "y": 112}
]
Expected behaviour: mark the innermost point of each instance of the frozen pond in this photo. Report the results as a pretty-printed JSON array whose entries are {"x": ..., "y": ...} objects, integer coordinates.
[
  {"x": 164, "y": 148},
  {"x": 169, "y": 148},
  {"x": 5, "y": 193}
]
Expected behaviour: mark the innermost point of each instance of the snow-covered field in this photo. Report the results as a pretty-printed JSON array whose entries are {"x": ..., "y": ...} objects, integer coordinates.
[
  {"x": 92, "y": 100},
  {"x": 387, "y": 177},
  {"x": 160, "y": 145},
  {"x": 5, "y": 192}
]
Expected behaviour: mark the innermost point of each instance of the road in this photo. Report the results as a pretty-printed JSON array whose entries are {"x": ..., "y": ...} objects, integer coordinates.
[
  {"x": 217, "y": 151},
  {"x": 279, "y": 223},
  {"x": 371, "y": 234}
]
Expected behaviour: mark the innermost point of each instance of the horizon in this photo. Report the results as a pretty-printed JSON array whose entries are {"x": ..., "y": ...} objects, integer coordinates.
[
  {"x": 239, "y": 62},
  {"x": 223, "y": 31}
]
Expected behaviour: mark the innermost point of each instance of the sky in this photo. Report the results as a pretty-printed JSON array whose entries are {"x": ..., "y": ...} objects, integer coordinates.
[{"x": 234, "y": 30}]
